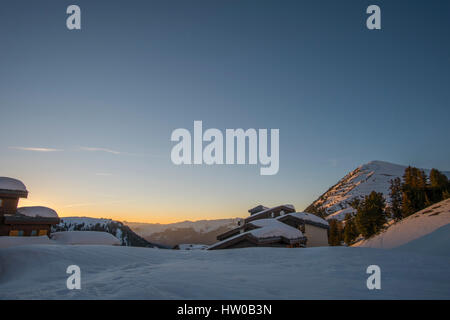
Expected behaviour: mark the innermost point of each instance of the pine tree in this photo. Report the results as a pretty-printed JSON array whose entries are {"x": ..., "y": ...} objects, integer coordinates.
[
  {"x": 350, "y": 230},
  {"x": 415, "y": 178},
  {"x": 335, "y": 233},
  {"x": 395, "y": 208},
  {"x": 438, "y": 185},
  {"x": 370, "y": 216},
  {"x": 414, "y": 190},
  {"x": 438, "y": 179}
]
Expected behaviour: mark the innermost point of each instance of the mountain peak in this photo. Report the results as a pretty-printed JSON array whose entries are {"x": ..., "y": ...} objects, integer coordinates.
[
  {"x": 379, "y": 162},
  {"x": 372, "y": 176}
]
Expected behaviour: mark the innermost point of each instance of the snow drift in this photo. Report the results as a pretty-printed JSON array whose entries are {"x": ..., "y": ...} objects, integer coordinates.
[
  {"x": 6, "y": 242},
  {"x": 63, "y": 238},
  {"x": 85, "y": 237}
]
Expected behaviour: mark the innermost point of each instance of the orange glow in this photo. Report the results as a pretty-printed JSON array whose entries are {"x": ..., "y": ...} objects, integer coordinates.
[
  {"x": 108, "y": 210},
  {"x": 146, "y": 203}
]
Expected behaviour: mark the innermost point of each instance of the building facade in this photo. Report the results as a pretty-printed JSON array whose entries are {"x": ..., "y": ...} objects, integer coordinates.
[{"x": 279, "y": 226}]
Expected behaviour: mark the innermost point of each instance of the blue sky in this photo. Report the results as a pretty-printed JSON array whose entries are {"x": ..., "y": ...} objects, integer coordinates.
[{"x": 107, "y": 98}]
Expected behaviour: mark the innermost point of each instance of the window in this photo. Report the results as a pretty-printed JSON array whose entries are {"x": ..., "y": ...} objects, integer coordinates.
[
  {"x": 1, "y": 202},
  {"x": 33, "y": 233},
  {"x": 16, "y": 233},
  {"x": 42, "y": 232}
]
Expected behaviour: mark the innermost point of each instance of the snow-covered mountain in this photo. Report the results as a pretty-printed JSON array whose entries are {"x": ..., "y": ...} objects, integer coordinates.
[
  {"x": 202, "y": 231},
  {"x": 126, "y": 236},
  {"x": 373, "y": 176},
  {"x": 411, "y": 228}
]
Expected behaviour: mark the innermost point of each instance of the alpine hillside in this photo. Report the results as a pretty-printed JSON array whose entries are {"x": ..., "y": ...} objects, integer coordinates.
[
  {"x": 418, "y": 225},
  {"x": 126, "y": 236},
  {"x": 373, "y": 176}
]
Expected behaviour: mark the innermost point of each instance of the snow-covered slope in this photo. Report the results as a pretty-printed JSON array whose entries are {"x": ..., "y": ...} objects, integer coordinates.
[
  {"x": 108, "y": 272},
  {"x": 373, "y": 176},
  {"x": 126, "y": 236},
  {"x": 202, "y": 231},
  {"x": 413, "y": 227}
]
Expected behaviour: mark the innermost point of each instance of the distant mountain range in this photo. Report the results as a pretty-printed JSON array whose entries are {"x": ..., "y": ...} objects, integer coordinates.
[
  {"x": 335, "y": 203},
  {"x": 373, "y": 176},
  {"x": 126, "y": 236},
  {"x": 197, "y": 232}
]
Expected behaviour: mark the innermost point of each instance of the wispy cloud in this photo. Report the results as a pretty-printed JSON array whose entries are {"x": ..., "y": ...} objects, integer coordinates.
[
  {"x": 36, "y": 149},
  {"x": 87, "y": 149},
  {"x": 94, "y": 149}
]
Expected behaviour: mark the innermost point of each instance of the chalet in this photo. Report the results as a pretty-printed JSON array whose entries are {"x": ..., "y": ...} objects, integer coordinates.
[
  {"x": 279, "y": 226},
  {"x": 25, "y": 221}
]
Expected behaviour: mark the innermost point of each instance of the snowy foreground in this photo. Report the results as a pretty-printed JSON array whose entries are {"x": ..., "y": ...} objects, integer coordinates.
[{"x": 418, "y": 269}]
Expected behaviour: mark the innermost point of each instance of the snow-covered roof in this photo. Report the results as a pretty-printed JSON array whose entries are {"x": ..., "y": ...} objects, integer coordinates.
[
  {"x": 257, "y": 209},
  {"x": 12, "y": 184},
  {"x": 268, "y": 228},
  {"x": 288, "y": 206},
  {"x": 307, "y": 217},
  {"x": 34, "y": 212},
  {"x": 85, "y": 238}
]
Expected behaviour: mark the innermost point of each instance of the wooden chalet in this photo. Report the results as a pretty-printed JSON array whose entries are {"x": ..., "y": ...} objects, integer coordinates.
[
  {"x": 26, "y": 221},
  {"x": 279, "y": 226}
]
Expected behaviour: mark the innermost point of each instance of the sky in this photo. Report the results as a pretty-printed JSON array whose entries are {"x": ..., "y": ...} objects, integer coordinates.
[{"x": 87, "y": 115}]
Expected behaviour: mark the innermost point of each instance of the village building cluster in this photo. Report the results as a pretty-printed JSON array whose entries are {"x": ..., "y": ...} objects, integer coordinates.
[{"x": 279, "y": 226}]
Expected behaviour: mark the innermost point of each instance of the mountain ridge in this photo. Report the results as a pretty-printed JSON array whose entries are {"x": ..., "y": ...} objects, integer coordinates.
[
  {"x": 201, "y": 231},
  {"x": 372, "y": 176},
  {"x": 126, "y": 236}
]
